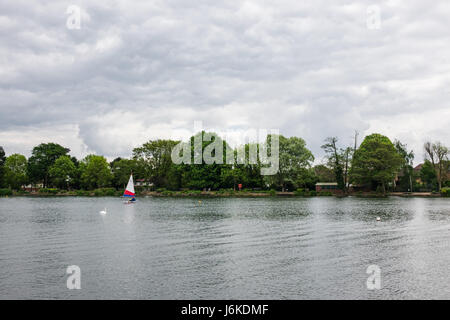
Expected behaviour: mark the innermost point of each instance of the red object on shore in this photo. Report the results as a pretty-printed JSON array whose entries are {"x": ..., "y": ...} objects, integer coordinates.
[{"x": 240, "y": 186}]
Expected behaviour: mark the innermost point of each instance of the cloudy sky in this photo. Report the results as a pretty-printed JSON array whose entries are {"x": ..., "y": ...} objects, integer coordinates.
[{"x": 138, "y": 70}]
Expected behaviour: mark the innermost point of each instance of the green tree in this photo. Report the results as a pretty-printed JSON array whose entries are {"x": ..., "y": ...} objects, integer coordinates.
[
  {"x": 42, "y": 158},
  {"x": 335, "y": 160},
  {"x": 75, "y": 182},
  {"x": 245, "y": 172},
  {"x": 154, "y": 162},
  {"x": 63, "y": 172},
  {"x": 201, "y": 175},
  {"x": 324, "y": 174},
  {"x": 251, "y": 172},
  {"x": 95, "y": 172},
  {"x": 376, "y": 162},
  {"x": 121, "y": 170},
  {"x": 16, "y": 171},
  {"x": 293, "y": 158},
  {"x": 306, "y": 178},
  {"x": 407, "y": 169},
  {"x": 339, "y": 160},
  {"x": 428, "y": 175},
  {"x": 2, "y": 167},
  {"x": 438, "y": 154}
]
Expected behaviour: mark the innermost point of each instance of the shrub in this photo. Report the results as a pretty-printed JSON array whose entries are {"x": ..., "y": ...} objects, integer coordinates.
[
  {"x": 313, "y": 193},
  {"x": 105, "y": 192},
  {"x": 272, "y": 192},
  {"x": 110, "y": 192},
  {"x": 325, "y": 194},
  {"x": 138, "y": 190},
  {"x": 300, "y": 192},
  {"x": 5, "y": 192},
  {"x": 49, "y": 190},
  {"x": 82, "y": 193},
  {"x": 160, "y": 190},
  {"x": 445, "y": 192}
]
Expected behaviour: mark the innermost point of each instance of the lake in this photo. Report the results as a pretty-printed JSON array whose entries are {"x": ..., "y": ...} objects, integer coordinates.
[{"x": 225, "y": 248}]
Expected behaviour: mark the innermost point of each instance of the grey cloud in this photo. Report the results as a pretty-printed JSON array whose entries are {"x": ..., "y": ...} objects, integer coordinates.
[{"x": 147, "y": 68}]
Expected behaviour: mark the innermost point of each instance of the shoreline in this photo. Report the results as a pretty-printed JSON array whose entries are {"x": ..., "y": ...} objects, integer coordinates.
[{"x": 237, "y": 194}]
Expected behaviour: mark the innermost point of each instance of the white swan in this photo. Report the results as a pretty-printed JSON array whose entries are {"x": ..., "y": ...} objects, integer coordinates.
[
  {"x": 378, "y": 219},
  {"x": 103, "y": 212}
]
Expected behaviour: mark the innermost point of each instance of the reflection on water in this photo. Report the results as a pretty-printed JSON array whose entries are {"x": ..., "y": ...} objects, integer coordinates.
[{"x": 164, "y": 248}]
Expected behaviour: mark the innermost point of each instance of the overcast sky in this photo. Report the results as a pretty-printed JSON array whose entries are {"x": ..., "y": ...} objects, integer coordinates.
[{"x": 138, "y": 70}]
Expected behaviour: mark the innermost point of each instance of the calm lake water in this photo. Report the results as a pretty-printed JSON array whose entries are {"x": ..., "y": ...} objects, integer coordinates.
[{"x": 226, "y": 248}]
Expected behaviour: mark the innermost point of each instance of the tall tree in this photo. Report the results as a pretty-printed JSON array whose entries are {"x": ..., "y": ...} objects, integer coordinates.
[
  {"x": 324, "y": 173},
  {"x": 407, "y": 162},
  {"x": 42, "y": 158},
  {"x": 121, "y": 170},
  {"x": 154, "y": 160},
  {"x": 95, "y": 172},
  {"x": 2, "y": 164},
  {"x": 428, "y": 175},
  {"x": 339, "y": 160},
  {"x": 201, "y": 174},
  {"x": 438, "y": 154},
  {"x": 376, "y": 161},
  {"x": 245, "y": 172},
  {"x": 335, "y": 160},
  {"x": 293, "y": 158},
  {"x": 16, "y": 171},
  {"x": 63, "y": 172}
]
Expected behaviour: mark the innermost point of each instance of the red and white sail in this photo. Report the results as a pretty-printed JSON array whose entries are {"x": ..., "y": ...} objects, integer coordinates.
[{"x": 129, "y": 191}]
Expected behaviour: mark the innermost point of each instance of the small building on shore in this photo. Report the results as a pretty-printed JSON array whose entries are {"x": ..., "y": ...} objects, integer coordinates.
[
  {"x": 33, "y": 187},
  {"x": 327, "y": 187},
  {"x": 143, "y": 183}
]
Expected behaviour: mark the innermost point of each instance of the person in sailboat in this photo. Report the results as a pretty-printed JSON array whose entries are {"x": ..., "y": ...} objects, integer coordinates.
[{"x": 129, "y": 191}]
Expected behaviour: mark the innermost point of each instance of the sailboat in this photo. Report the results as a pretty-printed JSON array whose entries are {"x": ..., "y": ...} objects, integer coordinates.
[{"x": 129, "y": 191}]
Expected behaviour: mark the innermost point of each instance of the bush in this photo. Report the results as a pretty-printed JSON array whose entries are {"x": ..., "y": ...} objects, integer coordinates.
[
  {"x": 313, "y": 193},
  {"x": 160, "y": 190},
  {"x": 445, "y": 192},
  {"x": 49, "y": 190},
  {"x": 300, "y": 192},
  {"x": 82, "y": 193},
  {"x": 138, "y": 190},
  {"x": 110, "y": 192},
  {"x": 272, "y": 192},
  {"x": 5, "y": 192},
  {"x": 105, "y": 192},
  {"x": 325, "y": 194},
  {"x": 98, "y": 193}
]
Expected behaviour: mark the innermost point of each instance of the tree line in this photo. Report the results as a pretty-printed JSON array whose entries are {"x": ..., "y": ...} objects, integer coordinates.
[{"x": 377, "y": 164}]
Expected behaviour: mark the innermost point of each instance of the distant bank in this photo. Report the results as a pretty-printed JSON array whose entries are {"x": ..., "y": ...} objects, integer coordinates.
[{"x": 109, "y": 192}]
